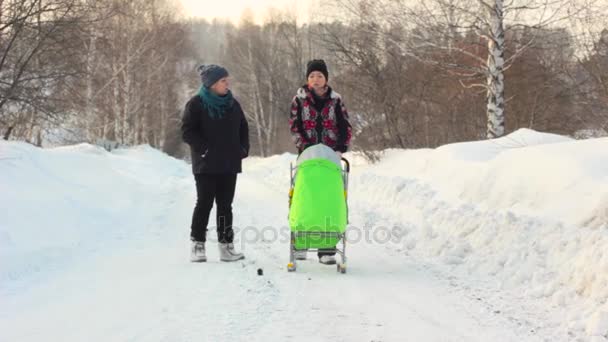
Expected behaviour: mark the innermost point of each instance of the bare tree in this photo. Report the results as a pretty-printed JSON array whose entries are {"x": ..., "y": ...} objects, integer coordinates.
[
  {"x": 259, "y": 56},
  {"x": 133, "y": 75},
  {"x": 589, "y": 74},
  {"x": 446, "y": 26},
  {"x": 36, "y": 48}
]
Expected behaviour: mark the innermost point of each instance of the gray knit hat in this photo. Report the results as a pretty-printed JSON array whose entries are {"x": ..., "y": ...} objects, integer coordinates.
[{"x": 211, "y": 73}]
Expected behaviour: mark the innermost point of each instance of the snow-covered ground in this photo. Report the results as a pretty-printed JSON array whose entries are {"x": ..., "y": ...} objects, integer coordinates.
[{"x": 502, "y": 240}]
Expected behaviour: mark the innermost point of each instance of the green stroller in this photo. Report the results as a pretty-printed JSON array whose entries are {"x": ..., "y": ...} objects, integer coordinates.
[{"x": 318, "y": 209}]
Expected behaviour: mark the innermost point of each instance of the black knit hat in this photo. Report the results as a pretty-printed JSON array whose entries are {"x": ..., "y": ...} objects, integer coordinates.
[
  {"x": 211, "y": 73},
  {"x": 317, "y": 65}
]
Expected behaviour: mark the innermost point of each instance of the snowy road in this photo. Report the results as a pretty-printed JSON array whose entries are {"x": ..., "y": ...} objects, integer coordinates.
[
  {"x": 135, "y": 284},
  {"x": 94, "y": 247}
]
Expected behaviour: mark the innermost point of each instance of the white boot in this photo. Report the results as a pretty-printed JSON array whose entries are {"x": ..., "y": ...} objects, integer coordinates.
[
  {"x": 327, "y": 259},
  {"x": 227, "y": 252},
  {"x": 197, "y": 252},
  {"x": 300, "y": 255}
]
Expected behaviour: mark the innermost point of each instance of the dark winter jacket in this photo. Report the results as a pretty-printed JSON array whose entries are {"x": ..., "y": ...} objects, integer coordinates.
[
  {"x": 217, "y": 146},
  {"x": 317, "y": 120}
]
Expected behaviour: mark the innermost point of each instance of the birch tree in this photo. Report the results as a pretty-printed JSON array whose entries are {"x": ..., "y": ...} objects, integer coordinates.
[
  {"x": 256, "y": 58},
  {"x": 444, "y": 25}
]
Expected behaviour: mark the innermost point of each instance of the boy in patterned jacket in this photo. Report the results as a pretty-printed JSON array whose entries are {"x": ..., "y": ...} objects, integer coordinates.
[{"x": 319, "y": 116}]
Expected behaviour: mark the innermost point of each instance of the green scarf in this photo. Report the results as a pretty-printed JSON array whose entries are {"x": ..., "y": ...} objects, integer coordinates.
[{"x": 216, "y": 105}]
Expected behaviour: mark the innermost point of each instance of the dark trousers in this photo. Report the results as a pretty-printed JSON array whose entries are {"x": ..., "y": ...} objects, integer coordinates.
[
  {"x": 219, "y": 188},
  {"x": 323, "y": 252}
]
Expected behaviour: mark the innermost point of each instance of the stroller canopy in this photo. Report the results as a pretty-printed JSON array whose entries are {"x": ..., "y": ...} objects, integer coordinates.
[{"x": 319, "y": 151}]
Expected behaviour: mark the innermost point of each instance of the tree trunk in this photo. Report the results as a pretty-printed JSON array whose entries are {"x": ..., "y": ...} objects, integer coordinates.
[
  {"x": 127, "y": 112},
  {"x": 89, "y": 106},
  {"x": 8, "y": 132},
  {"x": 116, "y": 108},
  {"x": 257, "y": 110},
  {"x": 271, "y": 116},
  {"x": 496, "y": 87}
]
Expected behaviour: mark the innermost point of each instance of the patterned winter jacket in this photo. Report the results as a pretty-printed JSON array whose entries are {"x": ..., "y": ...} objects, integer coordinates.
[{"x": 317, "y": 120}]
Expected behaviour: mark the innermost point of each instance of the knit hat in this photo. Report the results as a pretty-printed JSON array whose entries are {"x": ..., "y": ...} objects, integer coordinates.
[
  {"x": 211, "y": 73},
  {"x": 317, "y": 65}
]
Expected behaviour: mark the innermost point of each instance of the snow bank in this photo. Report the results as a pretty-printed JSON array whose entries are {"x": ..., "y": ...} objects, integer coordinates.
[
  {"x": 68, "y": 202},
  {"x": 531, "y": 215}
]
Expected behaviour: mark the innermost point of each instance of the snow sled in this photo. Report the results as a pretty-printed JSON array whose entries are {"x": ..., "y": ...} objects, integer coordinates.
[{"x": 318, "y": 208}]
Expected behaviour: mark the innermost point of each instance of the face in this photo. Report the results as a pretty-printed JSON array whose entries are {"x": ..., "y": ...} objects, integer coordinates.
[
  {"x": 316, "y": 80},
  {"x": 221, "y": 87}
]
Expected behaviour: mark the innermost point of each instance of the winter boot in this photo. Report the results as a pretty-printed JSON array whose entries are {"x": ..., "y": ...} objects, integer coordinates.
[
  {"x": 197, "y": 252},
  {"x": 327, "y": 259},
  {"x": 227, "y": 252},
  {"x": 300, "y": 255}
]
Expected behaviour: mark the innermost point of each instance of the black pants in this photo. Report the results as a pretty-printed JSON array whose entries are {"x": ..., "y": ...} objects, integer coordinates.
[
  {"x": 219, "y": 188},
  {"x": 323, "y": 252}
]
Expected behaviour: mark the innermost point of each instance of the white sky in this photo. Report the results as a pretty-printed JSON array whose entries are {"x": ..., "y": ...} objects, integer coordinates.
[{"x": 233, "y": 9}]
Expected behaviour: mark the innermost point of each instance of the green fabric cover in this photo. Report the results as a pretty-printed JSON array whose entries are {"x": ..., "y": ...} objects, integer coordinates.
[{"x": 318, "y": 203}]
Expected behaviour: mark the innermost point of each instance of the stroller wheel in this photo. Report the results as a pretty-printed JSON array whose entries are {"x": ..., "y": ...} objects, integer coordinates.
[
  {"x": 341, "y": 268},
  {"x": 291, "y": 267}
]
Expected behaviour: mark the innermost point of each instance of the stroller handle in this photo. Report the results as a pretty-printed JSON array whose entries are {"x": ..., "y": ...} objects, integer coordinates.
[{"x": 347, "y": 164}]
